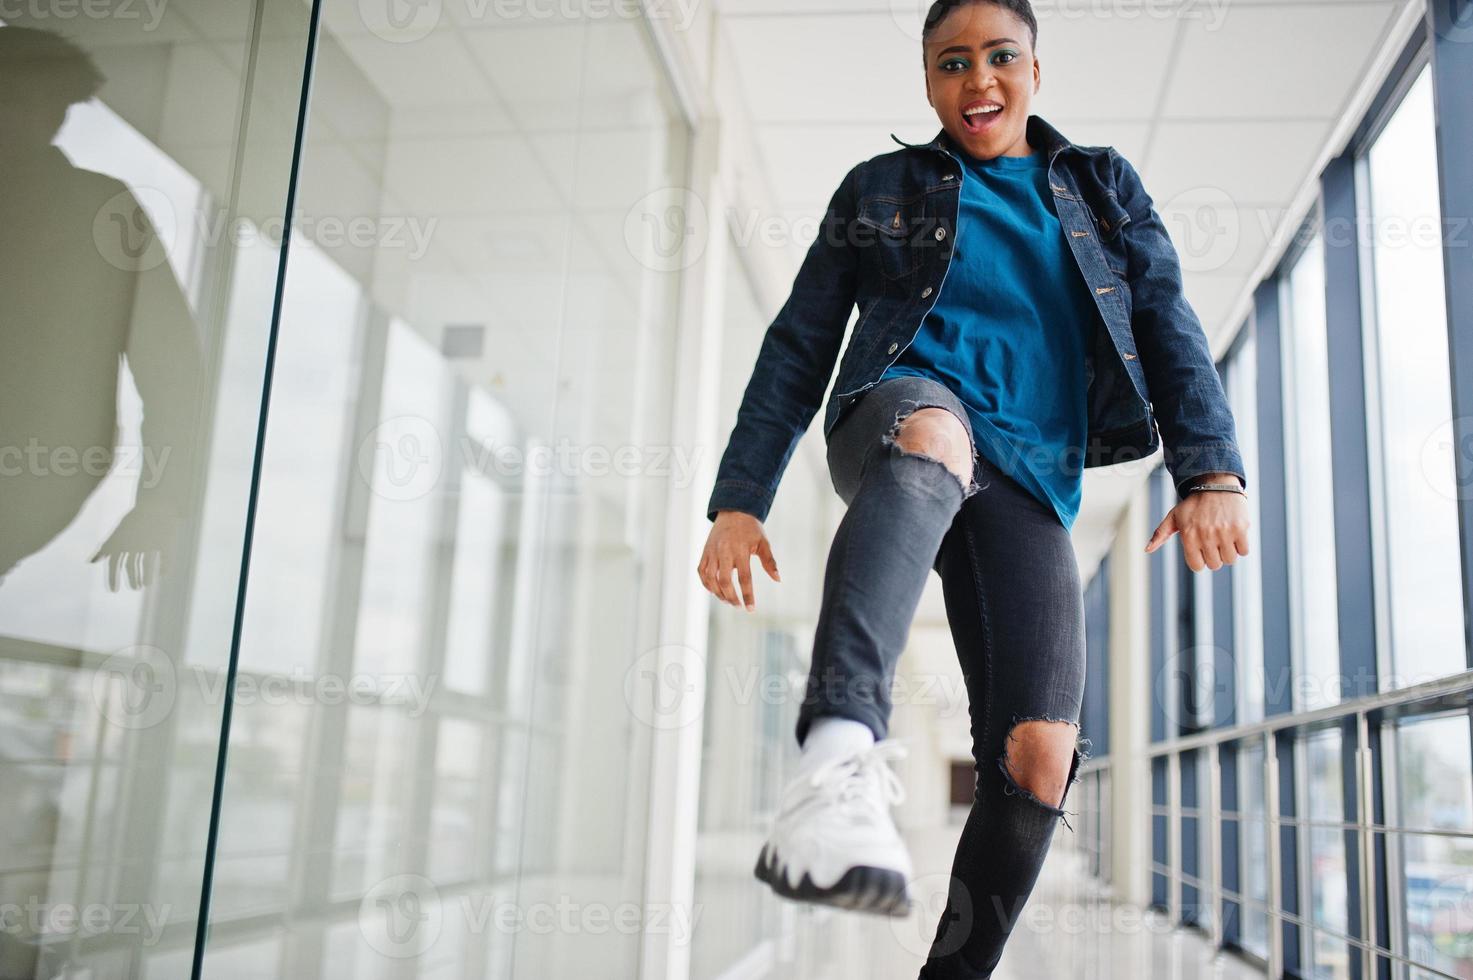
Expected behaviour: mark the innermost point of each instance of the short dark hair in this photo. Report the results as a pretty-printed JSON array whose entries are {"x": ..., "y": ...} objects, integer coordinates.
[{"x": 1023, "y": 9}]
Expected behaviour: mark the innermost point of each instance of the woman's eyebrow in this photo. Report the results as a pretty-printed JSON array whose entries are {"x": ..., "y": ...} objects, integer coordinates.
[{"x": 982, "y": 47}]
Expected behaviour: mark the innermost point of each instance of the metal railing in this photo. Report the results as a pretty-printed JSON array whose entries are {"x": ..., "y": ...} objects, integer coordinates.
[{"x": 1369, "y": 714}]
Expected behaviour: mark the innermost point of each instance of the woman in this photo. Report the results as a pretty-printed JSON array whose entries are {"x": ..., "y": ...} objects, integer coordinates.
[{"x": 1019, "y": 298}]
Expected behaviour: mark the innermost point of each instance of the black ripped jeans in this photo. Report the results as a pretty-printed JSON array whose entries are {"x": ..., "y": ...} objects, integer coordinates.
[{"x": 1016, "y": 612}]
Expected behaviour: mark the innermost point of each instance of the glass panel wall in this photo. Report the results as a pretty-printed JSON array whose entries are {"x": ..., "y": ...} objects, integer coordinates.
[
  {"x": 1311, "y": 499},
  {"x": 1247, "y": 576},
  {"x": 146, "y": 152},
  {"x": 462, "y": 510},
  {"x": 1417, "y": 513}
]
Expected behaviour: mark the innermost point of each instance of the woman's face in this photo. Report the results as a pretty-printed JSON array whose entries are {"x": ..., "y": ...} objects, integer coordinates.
[{"x": 979, "y": 56}]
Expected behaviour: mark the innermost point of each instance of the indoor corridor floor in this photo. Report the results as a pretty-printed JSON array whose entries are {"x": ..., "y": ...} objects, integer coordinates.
[{"x": 1065, "y": 933}]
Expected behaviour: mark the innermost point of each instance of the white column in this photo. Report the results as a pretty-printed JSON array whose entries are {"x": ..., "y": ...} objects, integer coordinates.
[
  {"x": 1130, "y": 705},
  {"x": 674, "y": 765}
]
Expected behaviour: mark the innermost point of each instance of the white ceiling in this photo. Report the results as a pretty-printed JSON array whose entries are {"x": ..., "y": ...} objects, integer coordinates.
[{"x": 1227, "y": 108}]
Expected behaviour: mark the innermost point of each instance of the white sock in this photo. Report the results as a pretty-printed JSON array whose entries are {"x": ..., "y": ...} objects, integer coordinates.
[{"x": 829, "y": 737}]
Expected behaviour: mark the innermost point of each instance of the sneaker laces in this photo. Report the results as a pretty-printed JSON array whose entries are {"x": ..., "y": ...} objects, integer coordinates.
[{"x": 849, "y": 778}]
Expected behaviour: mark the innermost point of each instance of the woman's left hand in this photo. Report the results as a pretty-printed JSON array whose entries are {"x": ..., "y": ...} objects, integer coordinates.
[{"x": 1213, "y": 525}]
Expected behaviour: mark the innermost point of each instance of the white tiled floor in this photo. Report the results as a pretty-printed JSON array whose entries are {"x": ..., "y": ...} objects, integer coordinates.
[{"x": 1065, "y": 933}]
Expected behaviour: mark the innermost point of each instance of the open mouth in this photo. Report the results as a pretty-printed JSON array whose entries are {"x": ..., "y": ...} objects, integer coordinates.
[{"x": 977, "y": 118}]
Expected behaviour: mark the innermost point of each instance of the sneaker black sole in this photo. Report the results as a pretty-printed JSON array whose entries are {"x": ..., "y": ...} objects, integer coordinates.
[{"x": 878, "y": 891}]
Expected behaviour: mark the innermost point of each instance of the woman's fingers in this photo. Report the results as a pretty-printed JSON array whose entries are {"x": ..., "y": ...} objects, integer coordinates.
[
  {"x": 1211, "y": 557},
  {"x": 764, "y": 552},
  {"x": 723, "y": 558},
  {"x": 1163, "y": 531}
]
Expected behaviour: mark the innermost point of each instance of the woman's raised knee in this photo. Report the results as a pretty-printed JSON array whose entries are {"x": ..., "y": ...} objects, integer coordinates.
[{"x": 937, "y": 433}]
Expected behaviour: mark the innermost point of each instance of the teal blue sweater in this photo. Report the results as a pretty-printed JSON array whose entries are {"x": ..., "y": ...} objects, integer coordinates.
[{"x": 1010, "y": 329}]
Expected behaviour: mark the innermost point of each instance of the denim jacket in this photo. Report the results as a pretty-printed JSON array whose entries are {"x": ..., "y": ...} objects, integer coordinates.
[{"x": 885, "y": 245}]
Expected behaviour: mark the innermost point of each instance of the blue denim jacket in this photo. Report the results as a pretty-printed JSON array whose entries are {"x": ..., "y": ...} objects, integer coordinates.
[{"x": 885, "y": 244}]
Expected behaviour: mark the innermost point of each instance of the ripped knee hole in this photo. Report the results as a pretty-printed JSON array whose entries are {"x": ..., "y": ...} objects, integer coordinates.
[
  {"x": 935, "y": 441},
  {"x": 1014, "y": 782}
]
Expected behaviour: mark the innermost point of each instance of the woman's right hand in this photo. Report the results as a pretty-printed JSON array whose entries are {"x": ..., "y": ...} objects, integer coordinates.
[{"x": 735, "y": 537}]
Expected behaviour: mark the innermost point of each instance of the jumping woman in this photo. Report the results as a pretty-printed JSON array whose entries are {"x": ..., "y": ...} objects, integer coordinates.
[{"x": 1021, "y": 318}]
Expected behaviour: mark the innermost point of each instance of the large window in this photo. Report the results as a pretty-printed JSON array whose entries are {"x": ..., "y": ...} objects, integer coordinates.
[
  {"x": 1247, "y": 575},
  {"x": 1311, "y": 491},
  {"x": 1417, "y": 520}
]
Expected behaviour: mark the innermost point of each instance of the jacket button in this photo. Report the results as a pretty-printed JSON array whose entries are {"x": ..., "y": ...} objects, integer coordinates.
[
  {"x": 892, "y": 348},
  {"x": 949, "y": 177},
  {"x": 925, "y": 292},
  {"x": 940, "y": 233}
]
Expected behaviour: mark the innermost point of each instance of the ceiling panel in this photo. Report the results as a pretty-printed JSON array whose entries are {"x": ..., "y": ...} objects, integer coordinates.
[
  {"x": 1274, "y": 62},
  {"x": 1252, "y": 162}
]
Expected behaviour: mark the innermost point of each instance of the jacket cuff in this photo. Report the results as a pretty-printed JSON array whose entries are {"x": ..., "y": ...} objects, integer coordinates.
[
  {"x": 1220, "y": 457},
  {"x": 739, "y": 495}
]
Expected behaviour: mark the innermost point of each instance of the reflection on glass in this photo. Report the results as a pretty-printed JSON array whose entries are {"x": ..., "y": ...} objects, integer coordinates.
[
  {"x": 1418, "y": 508},
  {"x": 1434, "y": 793},
  {"x": 132, "y": 350},
  {"x": 461, "y": 513}
]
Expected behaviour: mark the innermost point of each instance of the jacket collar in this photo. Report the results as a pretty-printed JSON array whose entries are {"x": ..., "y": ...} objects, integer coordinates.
[{"x": 1040, "y": 135}]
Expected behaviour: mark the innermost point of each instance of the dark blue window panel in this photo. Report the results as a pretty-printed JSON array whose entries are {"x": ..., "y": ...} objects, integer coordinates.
[
  {"x": 1231, "y": 879},
  {"x": 1095, "y": 716},
  {"x": 1273, "y": 518},
  {"x": 1189, "y": 777},
  {"x": 1159, "y": 887},
  {"x": 1156, "y": 615}
]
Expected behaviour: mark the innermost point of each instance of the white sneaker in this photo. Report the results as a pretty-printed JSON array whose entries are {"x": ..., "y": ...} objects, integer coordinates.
[{"x": 834, "y": 842}]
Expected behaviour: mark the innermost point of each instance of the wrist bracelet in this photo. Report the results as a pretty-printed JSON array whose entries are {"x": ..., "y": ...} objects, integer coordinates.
[{"x": 1229, "y": 487}]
